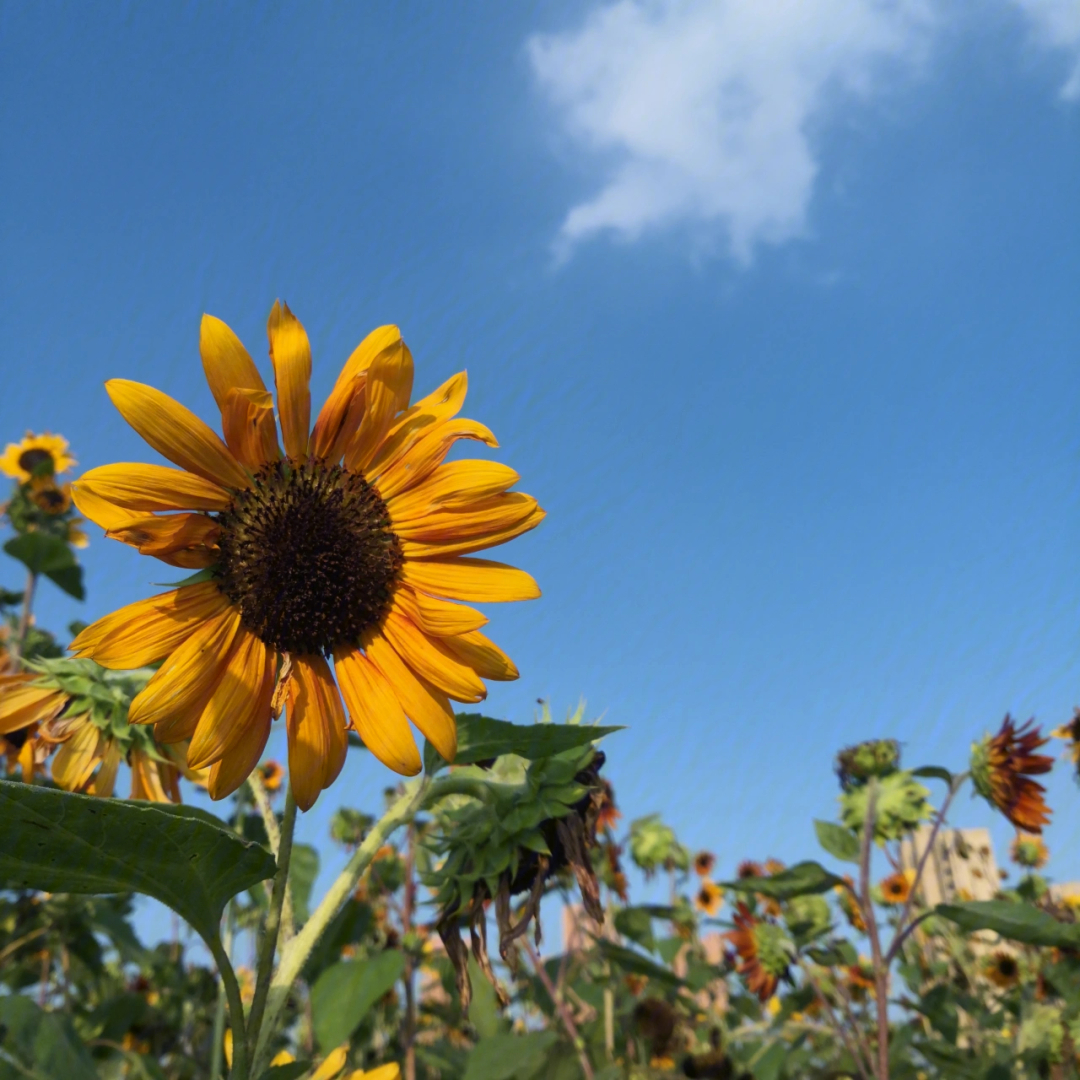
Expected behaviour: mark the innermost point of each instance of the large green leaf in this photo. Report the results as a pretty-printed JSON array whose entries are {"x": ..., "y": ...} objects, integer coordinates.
[
  {"x": 1018, "y": 922},
  {"x": 510, "y": 1057},
  {"x": 802, "y": 879},
  {"x": 184, "y": 857},
  {"x": 43, "y": 1044},
  {"x": 345, "y": 992},
  {"x": 303, "y": 870},
  {"x": 636, "y": 924},
  {"x": 838, "y": 841},
  {"x": 636, "y": 964},
  {"x": 481, "y": 739},
  {"x": 51, "y": 556}
]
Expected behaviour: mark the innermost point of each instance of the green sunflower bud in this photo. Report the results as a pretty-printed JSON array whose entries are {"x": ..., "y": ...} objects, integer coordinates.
[
  {"x": 900, "y": 806},
  {"x": 775, "y": 949},
  {"x": 808, "y": 916},
  {"x": 876, "y": 757},
  {"x": 980, "y": 769}
]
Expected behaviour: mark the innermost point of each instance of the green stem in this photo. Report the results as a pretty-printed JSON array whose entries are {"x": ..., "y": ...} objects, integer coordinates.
[
  {"x": 268, "y": 944},
  {"x": 239, "y": 1070},
  {"x": 296, "y": 953},
  {"x": 24, "y": 621},
  {"x": 219, "y": 1033}
]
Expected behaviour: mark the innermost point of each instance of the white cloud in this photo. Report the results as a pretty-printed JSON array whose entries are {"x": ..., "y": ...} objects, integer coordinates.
[
  {"x": 704, "y": 106},
  {"x": 1056, "y": 23}
]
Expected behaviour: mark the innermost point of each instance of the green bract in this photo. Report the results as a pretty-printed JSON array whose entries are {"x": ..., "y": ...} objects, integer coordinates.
[
  {"x": 900, "y": 806},
  {"x": 876, "y": 757}
]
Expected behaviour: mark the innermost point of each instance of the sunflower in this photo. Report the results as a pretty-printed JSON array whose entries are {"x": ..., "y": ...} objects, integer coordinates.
[
  {"x": 36, "y": 456},
  {"x": 748, "y": 869},
  {"x": 1029, "y": 851},
  {"x": 764, "y": 952},
  {"x": 849, "y": 905},
  {"x": 272, "y": 775},
  {"x": 709, "y": 898},
  {"x": 1001, "y": 768},
  {"x": 1002, "y": 969},
  {"x": 704, "y": 861},
  {"x": 49, "y": 496},
  {"x": 860, "y": 979},
  {"x": 348, "y": 547},
  {"x": 896, "y": 888},
  {"x": 1070, "y": 732}
]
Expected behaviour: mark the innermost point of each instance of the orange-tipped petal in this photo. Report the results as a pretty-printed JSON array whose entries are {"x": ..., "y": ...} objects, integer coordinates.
[
  {"x": 132, "y": 486},
  {"x": 317, "y": 729},
  {"x": 453, "y": 486},
  {"x": 430, "y": 660},
  {"x": 240, "y": 761},
  {"x": 427, "y": 454},
  {"x": 376, "y": 713},
  {"x": 387, "y": 390},
  {"x": 482, "y": 655},
  {"x": 227, "y": 363},
  {"x": 474, "y": 536},
  {"x": 290, "y": 352},
  {"x": 247, "y": 418},
  {"x": 188, "y": 540},
  {"x": 428, "y": 708},
  {"x": 176, "y": 432},
  {"x": 477, "y": 580}
]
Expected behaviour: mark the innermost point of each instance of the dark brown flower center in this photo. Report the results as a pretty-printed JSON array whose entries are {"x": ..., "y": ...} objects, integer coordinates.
[
  {"x": 37, "y": 462},
  {"x": 308, "y": 556}
]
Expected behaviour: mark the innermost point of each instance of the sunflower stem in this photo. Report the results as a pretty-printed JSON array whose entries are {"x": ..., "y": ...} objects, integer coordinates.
[
  {"x": 239, "y": 1070},
  {"x": 881, "y": 972},
  {"x": 24, "y": 621},
  {"x": 273, "y": 834},
  {"x": 272, "y": 928},
  {"x": 295, "y": 955}
]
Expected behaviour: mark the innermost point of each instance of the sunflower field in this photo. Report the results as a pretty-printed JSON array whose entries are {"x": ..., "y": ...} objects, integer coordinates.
[{"x": 326, "y": 570}]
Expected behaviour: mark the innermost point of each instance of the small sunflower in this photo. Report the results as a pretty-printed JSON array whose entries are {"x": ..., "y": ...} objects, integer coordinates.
[
  {"x": 896, "y": 888},
  {"x": 709, "y": 898},
  {"x": 704, "y": 861},
  {"x": 1070, "y": 732},
  {"x": 748, "y": 868},
  {"x": 1029, "y": 851},
  {"x": 46, "y": 494},
  {"x": 764, "y": 952},
  {"x": 1002, "y": 969},
  {"x": 1001, "y": 768},
  {"x": 350, "y": 546},
  {"x": 272, "y": 775},
  {"x": 36, "y": 456}
]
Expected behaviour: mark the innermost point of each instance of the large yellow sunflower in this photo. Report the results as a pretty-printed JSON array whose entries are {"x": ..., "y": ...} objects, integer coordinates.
[
  {"x": 350, "y": 546},
  {"x": 36, "y": 455}
]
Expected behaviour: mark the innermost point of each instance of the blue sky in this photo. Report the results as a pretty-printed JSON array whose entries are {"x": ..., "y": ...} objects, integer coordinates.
[{"x": 777, "y": 317}]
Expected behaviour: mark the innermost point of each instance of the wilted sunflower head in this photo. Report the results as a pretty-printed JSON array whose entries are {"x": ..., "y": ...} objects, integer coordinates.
[
  {"x": 1002, "y": 969},
  {"x": 764, "y": 951},
  {"x": 1001, "y": 769},
  {"x": 896, "y": 888},
  {"x": 350, "y": 542},
  {"x": 876, "y": 757},
  {"x": 704, "y": 861},
  {"x": 36, "y": 456},
  {"x": 1029, "y": 851},
  {"x": 709, "y": 898}
]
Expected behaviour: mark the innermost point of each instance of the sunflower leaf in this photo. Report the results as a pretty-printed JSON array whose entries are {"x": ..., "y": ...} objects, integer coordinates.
[
  {"x": 934, "y": 772},
  {"x": 1015, "y": 921},
  {"x": 636, "y": 964},
  {"x": 481, "y": 738},
  {"x": 839, "y": 842},
  {"x": 186, "y": 858},
  {"x": 51, "y": 556},
  {"x": 802, "y": 879},
  {"x": 344, "y": 992},
  {"x": 41, "y": 1043}
]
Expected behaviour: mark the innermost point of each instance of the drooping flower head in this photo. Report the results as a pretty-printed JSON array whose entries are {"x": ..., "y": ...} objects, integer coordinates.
[
  {"x": 36, "y": 456},
  {"x": 896, "y": 888},
  {"x": 709, "y": 898},
  {"x": 1001, "y": 769},
  {"x": 1029, "y": 851},
  {"x": 348, "y": 545},
  {"x": 764, "y": 952}
]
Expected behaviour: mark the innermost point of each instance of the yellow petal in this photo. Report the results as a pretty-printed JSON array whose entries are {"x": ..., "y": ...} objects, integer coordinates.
[
  {"x": 100, "y": 511},
  {"x": 147, "y": 630},
  {"x": 227, "y": 363},
  {"x": 334, "y": 1063},
  {"x": 180, "y": 688},
  {"x": 238, "y": 701},
  {"x": 132, "y": 486},
  {"x": 482, "y": 655},
  {"x": 477, "y": 538},
  {"x": 387, "y": 390},
  {"x": 290, "y": 352},
  {"x": 430, "y": 660},
  {"x": 77, "y": 757},
  {"x": 316, "y": 725},
  {"x": 24, "y": 701},
  {"x": 452, "y": 486},
  {"x": 188, "y": 540},
  {"x": 479, "y": 580},
  {"x": 105, "y": 781},
  {"x": 439, "y": 617},
  {"x": 177, "y": 433},
  {"x": 489, "y": 515},
  {"x": 247, "y": 418},
  {"x": 427, "y": 454},
  {"x": 238, "y": 762},
  {"x": 381, "y": 1072},
  {"x": 416, "y": 422},
  {"x": 146, "y": 778},
  {"x": 376, "y": 713},
  {"x": 428, "y": 708}
]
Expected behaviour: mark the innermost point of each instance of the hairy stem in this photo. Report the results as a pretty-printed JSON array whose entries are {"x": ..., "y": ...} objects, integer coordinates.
[
  {"x": 561, "y": 1009},
  {"x": 273, "y": 834},
  {"x": 15, "y": 650},
  {"x": 239, "y": 1070},
  {"x": 881, "y": 971}
]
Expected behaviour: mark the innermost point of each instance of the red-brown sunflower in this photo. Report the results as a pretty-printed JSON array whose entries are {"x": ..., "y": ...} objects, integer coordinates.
[
  {"x": 764, "y": 952},
  {"x": 1001, "y": 768},
  {"x": 349, "y": 545}
]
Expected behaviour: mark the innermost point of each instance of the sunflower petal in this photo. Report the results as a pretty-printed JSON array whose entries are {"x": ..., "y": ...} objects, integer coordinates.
[
  {"x": 177, "y": 433},
  {"x": 317, "y": 729},
  {"x": 100, "y": 511},
  {"x": 455, "y": 485},
  {"x": 387, "y": 390},
  {"x": 290, "y": 352},
  {"x": 147, "y": 630},
  {"x": 24, "y": 701},
  {"x": 428, "y": 708},
  {"x": 376, "y": 713},
  {"x": 238, "y": 700},
  {"x": 239, "y": 761},
  {"x": 421, "y": 459},
  {"x": 477, "y": 580},
  {"x": 227, "y": 363},
  {"x": 105, "y": 781},
  {"x": 477, "y": 539},
  {"x": 430, "y": 660},
  {"x": 188, "y": 540},
  {"x": 132, "y": 486},
  {"x": 482, "y": 655},
  {"x": 77, "y": 757},
  {"x": 488, "y": 515},
  {"x": 247, "y": 418},
  {"x": 178, "y": 691},
  {"x": 439, "y": 617},
  {"x": 146, "y": 778}
]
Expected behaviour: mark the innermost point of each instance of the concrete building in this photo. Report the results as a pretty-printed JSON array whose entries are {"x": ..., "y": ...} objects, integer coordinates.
[{"x": 961, "y": 865}]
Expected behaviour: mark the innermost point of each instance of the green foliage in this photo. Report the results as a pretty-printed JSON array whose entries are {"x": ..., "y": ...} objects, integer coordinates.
[
  {"x": 803, "y": 879},
  {"x": 41, "y": 1045},
  {"x": 653, "y": 846},
  {"x": 839, "y": 842},
  {"x": 184, "y": 857},
  {"x": 346, "y": 992},
  {"x": 51, "y": 556},
  {"x": 510, "y": 1057},
  {"x": 1015, "y": 921},
  {"x": 900, "y": 806}
]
